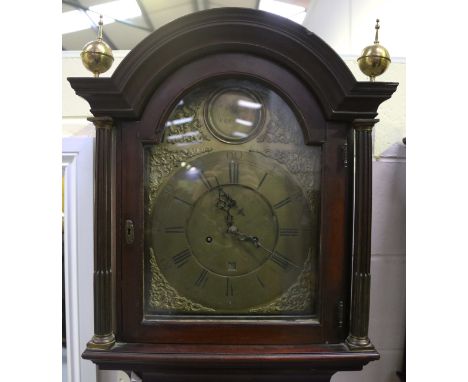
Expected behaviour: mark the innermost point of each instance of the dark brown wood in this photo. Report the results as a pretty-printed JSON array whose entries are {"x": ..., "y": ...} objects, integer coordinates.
[
  {"x": 236, "y": 375},
  {"x": 360, "y": 303},
  {"x": 334, "y": 247},
  {"x": 232, "y": 363},
  {"x": 103, "y": 334},
  {"x": 328, "y": 102},
  {"x": 262, "y": 34},
  {"x": 333, "y": 281},
  {"x": 232, "y": 65}
]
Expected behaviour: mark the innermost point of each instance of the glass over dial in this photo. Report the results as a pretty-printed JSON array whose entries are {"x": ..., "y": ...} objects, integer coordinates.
[
  {"x": 231, "y": 207},
  {"x": 232, "y": 230}
]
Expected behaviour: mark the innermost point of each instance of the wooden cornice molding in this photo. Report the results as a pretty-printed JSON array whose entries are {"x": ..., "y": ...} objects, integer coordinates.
[{"x": 237, "y": 30}]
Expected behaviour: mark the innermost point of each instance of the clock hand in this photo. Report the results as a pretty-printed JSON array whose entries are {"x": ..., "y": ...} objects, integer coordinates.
[
  {"x": 278, "y": 258},
  {"x": 225, "y": 203},
  {"x": 242, "y": 236},
  {"x": 229, "y": 219}
]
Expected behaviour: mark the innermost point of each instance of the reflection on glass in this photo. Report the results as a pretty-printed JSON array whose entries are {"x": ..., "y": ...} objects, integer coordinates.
[
  {"x": 234, "y": 115},
  {"x": 248, "y": 104},
  {"x": 231, "y": 208},
  {"x": 179, "y": 121}
]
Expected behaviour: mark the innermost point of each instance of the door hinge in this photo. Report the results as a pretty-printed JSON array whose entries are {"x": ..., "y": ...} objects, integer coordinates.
[
  {"x": 344, "y": 153},
  {"x": 340, "y": 313},
  {"x": 129, "y": 232}
]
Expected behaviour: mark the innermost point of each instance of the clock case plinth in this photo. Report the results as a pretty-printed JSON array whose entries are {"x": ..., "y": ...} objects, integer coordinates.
[{"x": 335, "y": 111}]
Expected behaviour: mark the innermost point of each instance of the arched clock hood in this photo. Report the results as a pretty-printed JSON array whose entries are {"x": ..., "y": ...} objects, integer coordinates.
[{"x": 241, "y": 30}]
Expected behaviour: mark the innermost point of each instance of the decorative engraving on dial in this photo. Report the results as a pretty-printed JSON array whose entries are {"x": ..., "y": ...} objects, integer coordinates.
[
  {"x": 184, "y": 125},
  {"x": 306, "y": 168},
  {"x": 164, "y": 297},
  {"x": 160, "y": 162},
  {"x": 297, "y": 298},
  {"x": 275, "y": 131}
]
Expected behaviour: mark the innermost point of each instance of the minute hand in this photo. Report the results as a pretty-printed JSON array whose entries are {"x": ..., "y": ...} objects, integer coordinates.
[{"x": 275, "y": 256}]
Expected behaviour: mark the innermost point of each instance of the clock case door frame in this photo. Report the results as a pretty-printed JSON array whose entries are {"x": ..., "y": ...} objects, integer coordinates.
[{"x": 333, "y": 263}]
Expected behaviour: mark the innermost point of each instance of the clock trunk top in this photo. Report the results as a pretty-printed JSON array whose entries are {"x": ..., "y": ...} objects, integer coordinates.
[{"x": 240, "y": 30}]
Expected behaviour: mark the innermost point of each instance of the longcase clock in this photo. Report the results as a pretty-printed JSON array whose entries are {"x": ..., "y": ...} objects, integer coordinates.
[{"x": 232, "y": 204}]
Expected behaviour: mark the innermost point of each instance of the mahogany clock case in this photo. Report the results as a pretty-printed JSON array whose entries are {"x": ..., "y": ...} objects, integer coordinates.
[
  {"x": 335, "y": 197},
  {"x": 228, "y": 43}
]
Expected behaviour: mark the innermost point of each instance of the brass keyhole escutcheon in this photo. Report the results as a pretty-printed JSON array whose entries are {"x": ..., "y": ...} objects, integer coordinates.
[{"x": 129, "y": 232}]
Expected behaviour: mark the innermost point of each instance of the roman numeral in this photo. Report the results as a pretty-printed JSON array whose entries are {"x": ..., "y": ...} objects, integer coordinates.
[
  {"x": 234, "y": 155},
  {"x": 233, "y": 172},
  {"x": 287, "y": 200},
  {"x": 183, "y": 201},
  {"x": 288, "y": 231},
  {"x": 229, "y": 288},
  {"x": 282, "y": 203},
  {"x": 205, "y": 181},
  {"x": 174, "y": 230},
  {"x": 261, "y": 182},
  {"x": 282, "y": 261},
  {"x": 182, "y": 258},
  {"x": 260, "y": 282},
  {"x": 202, "y": 278}
]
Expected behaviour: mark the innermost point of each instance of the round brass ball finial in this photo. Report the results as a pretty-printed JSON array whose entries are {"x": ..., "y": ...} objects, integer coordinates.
[
  {"x": 374, "y": 59},
  {"x": 96, "y": 55}
]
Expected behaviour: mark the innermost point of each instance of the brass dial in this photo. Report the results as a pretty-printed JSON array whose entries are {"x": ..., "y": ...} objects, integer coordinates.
[{"x": 231, "y": 230}]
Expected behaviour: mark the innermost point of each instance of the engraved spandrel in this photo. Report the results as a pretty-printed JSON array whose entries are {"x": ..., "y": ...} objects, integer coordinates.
[
  {"x": 282, "y": 127},
  {"x": 163, "y": 297},
  {"x": 160, "y": 163},
  {"x": 185, "y": 126},
  {"x": 298, "y": 298},
  {"x": 304, "y": 163}
]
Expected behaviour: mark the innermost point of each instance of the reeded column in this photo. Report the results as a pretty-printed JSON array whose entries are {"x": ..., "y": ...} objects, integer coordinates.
[
  {"x": 360, "y": 295},
  {"x": 103, "y": 338}
]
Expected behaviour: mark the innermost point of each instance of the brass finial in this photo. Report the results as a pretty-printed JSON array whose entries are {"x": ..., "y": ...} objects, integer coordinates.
[
  {"x": 374, "y": 59},
  {"x": 96, "y": 55},
  {"x": 101, "y": 23},
  {"x": 377, "y": 27}
]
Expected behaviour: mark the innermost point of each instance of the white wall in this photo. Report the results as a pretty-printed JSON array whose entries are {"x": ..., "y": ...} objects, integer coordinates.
[
  {"x": 77, "y": 169},
  {"x": 387, "y": 310},
  {"x": 348, "y": 25}
]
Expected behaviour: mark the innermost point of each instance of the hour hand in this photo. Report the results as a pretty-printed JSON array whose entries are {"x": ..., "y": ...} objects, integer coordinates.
[{"x": 224, "y": 202}]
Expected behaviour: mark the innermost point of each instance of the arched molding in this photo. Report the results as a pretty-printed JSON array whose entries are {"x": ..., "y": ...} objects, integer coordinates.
[{"x": 235, "y": 30}]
